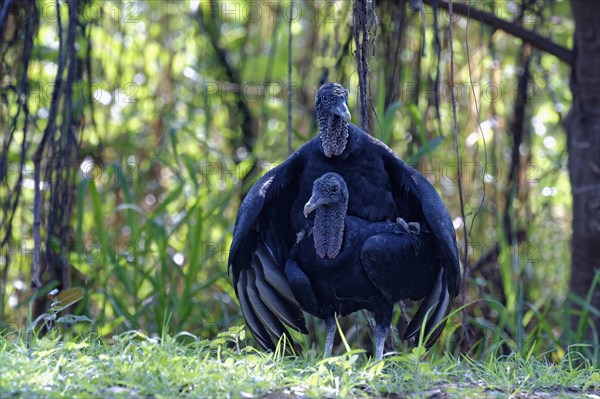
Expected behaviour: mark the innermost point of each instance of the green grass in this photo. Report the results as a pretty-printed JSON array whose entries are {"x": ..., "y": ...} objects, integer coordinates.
[{"x": 135, "y": 365}]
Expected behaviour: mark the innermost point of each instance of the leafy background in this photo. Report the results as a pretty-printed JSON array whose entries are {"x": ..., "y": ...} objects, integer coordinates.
[{"x": 184, "y": 104}]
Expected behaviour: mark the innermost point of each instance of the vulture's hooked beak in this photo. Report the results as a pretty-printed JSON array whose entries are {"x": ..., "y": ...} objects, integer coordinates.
[
  {"x": 309, "y": 207},
  {"x": 342, "y": 110},
  {"x": 313, "y": 203}
]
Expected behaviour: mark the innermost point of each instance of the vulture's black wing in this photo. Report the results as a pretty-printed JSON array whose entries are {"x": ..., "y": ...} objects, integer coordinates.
[
  {"x": 414, "y": 195},
  {"x": 262, "y": 239}
]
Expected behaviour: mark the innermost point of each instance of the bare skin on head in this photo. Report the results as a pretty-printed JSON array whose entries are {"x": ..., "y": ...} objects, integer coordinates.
[
  {"x": 330, "y": 200},
  {"x": 331, "y": 105}
]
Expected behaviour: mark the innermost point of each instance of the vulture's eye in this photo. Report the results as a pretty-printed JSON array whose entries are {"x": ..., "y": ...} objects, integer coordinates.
[{"x": 335, "y": 189}]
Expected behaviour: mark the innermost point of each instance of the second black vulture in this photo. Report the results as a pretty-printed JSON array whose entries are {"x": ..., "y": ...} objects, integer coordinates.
[
  {"x": 382, "y": 188},
  {"x": 345, "y": 264}
]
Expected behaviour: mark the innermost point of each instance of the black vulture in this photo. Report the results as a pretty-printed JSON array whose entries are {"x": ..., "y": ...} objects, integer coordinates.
[
  {"x": 345, "y": 264},
  {"x": 382, "y": 188}
]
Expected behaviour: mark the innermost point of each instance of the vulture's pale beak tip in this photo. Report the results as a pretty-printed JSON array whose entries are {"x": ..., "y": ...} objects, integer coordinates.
[
  {"x": 343, "y": 112},
  {"x": 308, "y": 208},
  {"x": 346, "y": 116}
]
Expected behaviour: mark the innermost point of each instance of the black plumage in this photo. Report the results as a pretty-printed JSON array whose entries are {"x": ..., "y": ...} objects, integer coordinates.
[
  {"x": 346, "y": 264},
  {"x": 381, "y": 188}
]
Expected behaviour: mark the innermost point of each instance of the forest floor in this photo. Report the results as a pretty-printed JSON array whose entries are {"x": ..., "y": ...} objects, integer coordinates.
[{"x": 135, "y": 365}]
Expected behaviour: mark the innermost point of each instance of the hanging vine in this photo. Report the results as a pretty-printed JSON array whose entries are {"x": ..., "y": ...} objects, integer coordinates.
[
  {"x": 364, "y": 23},
  {"x": 455, "y": 135},
  {"x": 57, "y": 154},
  {"x": 289, "y": 88}
]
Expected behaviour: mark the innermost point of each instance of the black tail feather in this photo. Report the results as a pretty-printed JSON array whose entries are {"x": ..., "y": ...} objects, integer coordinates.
[
  {"x": 252, "y": 321},
  {"x": 284, "y": 310}
]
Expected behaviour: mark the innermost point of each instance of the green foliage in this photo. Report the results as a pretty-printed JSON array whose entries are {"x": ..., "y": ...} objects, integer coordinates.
[
  {"x": 61, "y": 301},
  {"x": 164, "y": 165}
]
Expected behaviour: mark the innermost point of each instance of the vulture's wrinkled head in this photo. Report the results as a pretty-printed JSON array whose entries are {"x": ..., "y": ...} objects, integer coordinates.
[
  {"x": 331, "y": 106},
  {"x": 332, "y": 98},
  {"x": 329, "y": 192},
  {"x": 330, "y": 201}
]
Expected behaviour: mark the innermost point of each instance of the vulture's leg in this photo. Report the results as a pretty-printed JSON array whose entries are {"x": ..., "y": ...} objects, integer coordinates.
[
  {"x": 383, "y": 320},
  {"x": 331, "y": 327},
  {"x": 381, "y": 332}
]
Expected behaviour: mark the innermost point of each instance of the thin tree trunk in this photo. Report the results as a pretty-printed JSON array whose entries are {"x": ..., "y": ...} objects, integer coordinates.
[{"x": 583, "y": 138}]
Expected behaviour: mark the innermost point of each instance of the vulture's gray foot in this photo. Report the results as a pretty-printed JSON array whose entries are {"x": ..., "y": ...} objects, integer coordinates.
[{"x": 411, "y": 227}]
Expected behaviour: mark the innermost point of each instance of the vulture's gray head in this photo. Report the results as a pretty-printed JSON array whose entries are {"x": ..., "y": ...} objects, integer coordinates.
[
  {"x": 330, "y": 201},
  {"x": 331, "y": 106},
  {"x": 332, "y": 98}
]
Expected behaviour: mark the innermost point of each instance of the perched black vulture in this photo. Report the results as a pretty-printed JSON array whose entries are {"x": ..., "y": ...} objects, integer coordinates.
[
  {"x": 345, "y": 263},
  {"x": 381, "y": 188}
]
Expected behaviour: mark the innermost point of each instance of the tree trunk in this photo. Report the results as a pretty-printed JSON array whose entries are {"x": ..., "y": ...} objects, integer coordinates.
[{"x": 583, "y": 138}]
